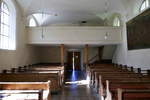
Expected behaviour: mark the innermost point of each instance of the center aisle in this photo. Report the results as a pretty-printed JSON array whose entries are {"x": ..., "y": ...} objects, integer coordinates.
[{"x": 76, "y": 88}]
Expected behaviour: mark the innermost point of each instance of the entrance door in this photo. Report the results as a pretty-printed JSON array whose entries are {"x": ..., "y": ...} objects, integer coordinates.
[{"x": 74, "y": 60}]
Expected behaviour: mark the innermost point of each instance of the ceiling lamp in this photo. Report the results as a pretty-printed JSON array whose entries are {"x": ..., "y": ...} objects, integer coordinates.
[
  {"x": 42, "y": 33},
  {"x": 106, "y": 35},
  {"x": 106, "y": 12}
]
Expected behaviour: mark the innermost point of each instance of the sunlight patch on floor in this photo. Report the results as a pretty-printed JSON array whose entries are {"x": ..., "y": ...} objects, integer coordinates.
[{"x": 81, "y": 82}]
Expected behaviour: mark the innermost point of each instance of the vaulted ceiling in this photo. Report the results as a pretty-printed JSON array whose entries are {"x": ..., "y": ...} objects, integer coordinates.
[{"x": 72, "y": 11}]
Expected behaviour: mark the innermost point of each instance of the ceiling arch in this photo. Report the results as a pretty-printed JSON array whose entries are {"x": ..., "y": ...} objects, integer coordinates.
[{"x": 72, "y": 11}]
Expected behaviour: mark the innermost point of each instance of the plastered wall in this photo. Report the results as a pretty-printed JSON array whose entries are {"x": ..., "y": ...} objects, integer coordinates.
[
  {"x": 24, "y": 54},
  {"x": 136, "y": 58}
]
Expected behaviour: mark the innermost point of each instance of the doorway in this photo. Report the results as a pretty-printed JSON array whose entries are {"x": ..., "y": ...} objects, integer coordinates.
[
  {"x": 73, "y": 69},
  {"x": 74, "y": 61}
]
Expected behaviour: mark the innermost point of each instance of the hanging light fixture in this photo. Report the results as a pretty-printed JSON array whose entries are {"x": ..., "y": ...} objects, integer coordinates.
[
  {"x": 42, "y": 8},
  {"x": 106, "y": 11},
  {"x": 42, "y": 34},
  {"x": 106, "y": 35},
  {"x": 44, "y": 15}
]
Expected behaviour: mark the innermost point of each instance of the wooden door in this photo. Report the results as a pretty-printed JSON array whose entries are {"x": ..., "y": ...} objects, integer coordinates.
[
  {"x": 100, "y": 52},
  {"x": 69, "y": 61},
  {"x": 77, "y": 59},
  {"x": 74, "y": 58}
]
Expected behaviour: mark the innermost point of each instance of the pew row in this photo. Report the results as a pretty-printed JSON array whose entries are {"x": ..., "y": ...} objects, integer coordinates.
[
  {"x": 34, "y": 77},
  {"x": 128, "y": 94},
  {"x": 127, "y": 91},
  {"x": 108, "y": 78},
  {"x": 40, "y": 69},
  {"x": 25, "y": 91}
]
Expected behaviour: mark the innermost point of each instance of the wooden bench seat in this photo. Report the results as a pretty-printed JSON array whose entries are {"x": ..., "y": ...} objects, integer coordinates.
[
  {"x": 48, "y": 68},
  {"x": 114, "y": 86},
  {"x": 107, "y": 79},
  {"x": 33, "y": 77},
  {"x": 122, "y": 82},
  {"x": 94, "y": 75},
  {"x": 133, "y": 94},
  {"x": 44, "y": 69},
  {"x": 40, "y": 69},
  {"x": 100, "y": 84},
  {"x": 9, "y": 90},
  {"x": 116, "y": 74}
]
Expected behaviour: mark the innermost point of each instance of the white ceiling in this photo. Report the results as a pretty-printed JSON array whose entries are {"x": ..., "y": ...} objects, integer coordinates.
[{"x": 72, "y": 11}]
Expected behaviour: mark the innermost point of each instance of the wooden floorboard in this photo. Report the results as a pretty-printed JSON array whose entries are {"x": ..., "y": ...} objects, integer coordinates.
[{"x": 75, "y": 92}]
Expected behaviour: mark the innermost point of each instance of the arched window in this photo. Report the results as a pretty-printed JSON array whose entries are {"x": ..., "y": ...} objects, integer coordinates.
[
  {"x": 145, "y": 4},
  {"x": 32, "y": 22},
  {"x": 7, "y": 34},
  {"x": 116, "y": 21}
]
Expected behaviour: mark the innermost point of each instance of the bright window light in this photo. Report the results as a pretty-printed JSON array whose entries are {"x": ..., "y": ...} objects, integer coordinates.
[
  {"x": 116, "y": 22},
  {"x": 32, "y": 22},
  {"x": 144, "y": 5},
  {"x": 41, "y": 18},
  {"x": 7, "y": 40}
]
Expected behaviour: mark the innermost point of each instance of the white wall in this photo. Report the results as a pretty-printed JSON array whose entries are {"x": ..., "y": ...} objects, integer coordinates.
[
  {"x": 108, "y": 52},
  {"x": 135, "y": 58},
  {"x": 23, "y": 54},
  {"x": 92, "y": 52},
  {"x": 49, "y": 54},
  {"x": 74, "y": 35}
]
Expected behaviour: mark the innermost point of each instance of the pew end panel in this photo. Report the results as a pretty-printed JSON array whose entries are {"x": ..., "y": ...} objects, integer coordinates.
[
  {"x": 38, "y": 90},
  {"x": 133, "y": 94}
]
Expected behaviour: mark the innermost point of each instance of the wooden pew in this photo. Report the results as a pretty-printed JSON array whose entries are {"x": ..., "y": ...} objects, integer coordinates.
[
  {"x": 121, "y": 82},
  {"x": 33, "y": 77},
  {"x": 46, "y": 68},
  {"x": 117, "y": 75},
  {"x": 49, "y": 68},
  {"x": 59, "y": 70},
  {"x": 112, "y": 70},
  {"x": 107, "y": 72},
  {"x": 42, "y": 89},
  {"x": 133, "y": 94},
  {"x": 39, "y": 69},
  {"x": 115, "y": 89}
]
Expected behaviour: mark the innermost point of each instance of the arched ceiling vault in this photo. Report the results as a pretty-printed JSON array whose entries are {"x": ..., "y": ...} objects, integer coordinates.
[{"x": 73, "y": 11}]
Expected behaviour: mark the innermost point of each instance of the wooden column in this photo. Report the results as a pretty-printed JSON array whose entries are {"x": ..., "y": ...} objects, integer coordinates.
[
  {"x": 86, "y": 55},
  {"x": 100, "y": 52},
  {"x": 62, "y": 54}
]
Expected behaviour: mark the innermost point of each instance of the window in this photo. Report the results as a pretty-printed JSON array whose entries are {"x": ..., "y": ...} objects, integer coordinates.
[
  {"x": 144, "y": 5},
  {"x": 7, "y": 40},
  {"x": 116, "y": 22},
  {"x": 32, "y": 22}
]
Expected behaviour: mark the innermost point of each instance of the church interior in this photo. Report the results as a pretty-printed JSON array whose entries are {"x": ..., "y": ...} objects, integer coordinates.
[{"x": 74, "y": 50}]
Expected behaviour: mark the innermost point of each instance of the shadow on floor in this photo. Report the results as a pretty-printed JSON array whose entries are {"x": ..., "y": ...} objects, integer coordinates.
[
  {"x": 77, "y": 89},
  {"x": 71, "y": 76}
]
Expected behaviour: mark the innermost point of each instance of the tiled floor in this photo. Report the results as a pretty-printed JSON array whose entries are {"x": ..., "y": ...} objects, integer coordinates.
[{"x": 76, "y": 91}]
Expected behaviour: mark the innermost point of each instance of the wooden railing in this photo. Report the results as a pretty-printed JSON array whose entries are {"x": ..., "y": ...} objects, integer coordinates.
[{"x": 93, "y": 59}]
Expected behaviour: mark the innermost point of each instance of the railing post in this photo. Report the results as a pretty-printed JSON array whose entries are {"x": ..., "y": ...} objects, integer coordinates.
[
  {"x": 132, "y": 69},
  {"x": 13, "y": 70},
  {"x": 62, "y": 54},
  {"x": 119, "y": 92},
  {"x": 4, "y": 71},
  {"x": 41, "y": 95},
  {"x": 148, "y": 72},
  {"x": 139, "y": 70},
  {"x": 86, "y": 55}
]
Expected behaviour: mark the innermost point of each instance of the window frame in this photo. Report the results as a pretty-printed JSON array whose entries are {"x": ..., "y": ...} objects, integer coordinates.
[
  {"x": 118, "y": 21},
  {"x": 33, "y": 19},
  {"x": 144, "y": 1},
  {"x": 10, "y": 44},
  {"x": 3, "y": 25}
]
